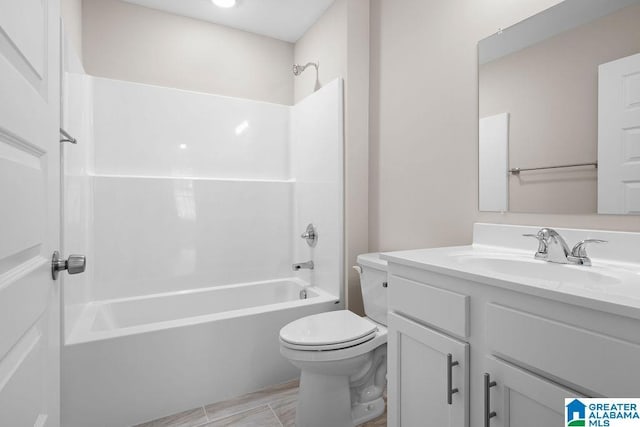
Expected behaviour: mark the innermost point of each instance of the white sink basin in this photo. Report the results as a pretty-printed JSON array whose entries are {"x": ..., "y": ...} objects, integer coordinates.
[
  {"x": 531, "y": 268},
  {"x": 501, "y": 257}
]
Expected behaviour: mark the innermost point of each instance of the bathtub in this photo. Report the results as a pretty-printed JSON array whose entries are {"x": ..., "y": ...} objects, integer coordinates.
[{"x": 131, "y": 360}]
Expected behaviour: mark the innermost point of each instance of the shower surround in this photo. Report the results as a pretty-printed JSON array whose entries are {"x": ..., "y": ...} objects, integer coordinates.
[{"x": 190, "y": 208}]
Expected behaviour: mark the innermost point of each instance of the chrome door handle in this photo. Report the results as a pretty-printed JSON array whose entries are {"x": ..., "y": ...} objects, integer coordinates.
[
  {"x": 66, "y": 137},
  {"x": 74, "y": 264},
  {"x": 450, "y": 391},
  {"x": 488, "y": 413}
]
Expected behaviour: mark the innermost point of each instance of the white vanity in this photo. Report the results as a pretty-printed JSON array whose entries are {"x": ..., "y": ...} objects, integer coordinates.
[{"x": 487, "y": 335}]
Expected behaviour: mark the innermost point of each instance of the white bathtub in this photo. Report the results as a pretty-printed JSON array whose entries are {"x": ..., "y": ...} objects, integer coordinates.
[{"x": 131, "y": 360}]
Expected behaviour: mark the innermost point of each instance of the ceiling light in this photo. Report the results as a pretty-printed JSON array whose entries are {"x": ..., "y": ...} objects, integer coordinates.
[{"x": 224, "y": 3}]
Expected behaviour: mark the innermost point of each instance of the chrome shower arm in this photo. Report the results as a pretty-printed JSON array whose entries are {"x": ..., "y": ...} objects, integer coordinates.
[{"x": 298, "y": 69}]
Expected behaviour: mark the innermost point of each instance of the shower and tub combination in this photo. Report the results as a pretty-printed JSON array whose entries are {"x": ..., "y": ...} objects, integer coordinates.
[{"x": 190, "y": 208}]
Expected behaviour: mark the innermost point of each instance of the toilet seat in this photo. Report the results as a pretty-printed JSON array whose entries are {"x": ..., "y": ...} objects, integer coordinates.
[
  {"x": 328, "y": 331},
  {"x": 380, "y": 338},
  {"x": 326, "y": 347}
]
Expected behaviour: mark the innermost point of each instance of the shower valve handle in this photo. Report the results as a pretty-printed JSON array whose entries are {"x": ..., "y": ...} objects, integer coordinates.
[{"x": 310, "y": 235}]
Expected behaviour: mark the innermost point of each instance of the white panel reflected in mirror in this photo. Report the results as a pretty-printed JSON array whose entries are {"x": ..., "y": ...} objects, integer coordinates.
[
  {"x": 619, "y": 136},
  {"x": 544, "y": 72},
  {"x": 493, "y": 163}
]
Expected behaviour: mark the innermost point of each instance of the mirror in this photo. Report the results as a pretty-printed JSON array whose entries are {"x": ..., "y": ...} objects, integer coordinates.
[{"x": 559, "y": 111}]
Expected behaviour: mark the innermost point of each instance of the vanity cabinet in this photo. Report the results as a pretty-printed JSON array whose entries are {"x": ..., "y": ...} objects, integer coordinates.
[
  {"x": 520, "y": 355},
  {"x": 517, "y": 398},
  {"x": 429, "y": 374}
]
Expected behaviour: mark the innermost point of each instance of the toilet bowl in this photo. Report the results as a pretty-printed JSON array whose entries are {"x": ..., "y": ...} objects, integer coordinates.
[{"x": 342, "y": 357}]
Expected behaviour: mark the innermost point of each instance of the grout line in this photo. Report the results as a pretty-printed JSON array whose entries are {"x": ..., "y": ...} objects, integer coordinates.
[
  {"x": 205, "y": 415},
  {"x": 275, "y": 415},
  {"x": 271, "y": 397},
  {"x": 242, "y": 412},
  {"x": 234, "y": 413},
  {"x": 274, "y": 396}
]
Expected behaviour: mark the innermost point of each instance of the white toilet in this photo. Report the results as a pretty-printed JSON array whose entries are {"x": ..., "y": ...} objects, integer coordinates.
[{"x": 342, "y": 356}]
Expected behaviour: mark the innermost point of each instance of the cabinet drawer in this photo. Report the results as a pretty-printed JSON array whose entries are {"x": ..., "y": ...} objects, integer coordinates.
[
  {"x": 435, "y": 306},
  {"x": 575, "y": 356}
]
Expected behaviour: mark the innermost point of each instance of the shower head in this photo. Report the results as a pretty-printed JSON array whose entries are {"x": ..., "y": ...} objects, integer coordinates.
[{"x": 298, "y": 69}]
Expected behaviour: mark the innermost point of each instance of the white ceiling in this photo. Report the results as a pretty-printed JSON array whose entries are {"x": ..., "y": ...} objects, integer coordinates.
[{"x": 286, "y": 20}]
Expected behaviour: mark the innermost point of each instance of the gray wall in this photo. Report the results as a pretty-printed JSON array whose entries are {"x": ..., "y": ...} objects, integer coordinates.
[
  {"x": 71, "y": 11},
  {"x": 422, "y": 152},
  {"x": 339, "y": 41},
  {"x": 129, "y": 42},
  {"x": 550, "y": 91},
  {"x": 424, "y": 123}
]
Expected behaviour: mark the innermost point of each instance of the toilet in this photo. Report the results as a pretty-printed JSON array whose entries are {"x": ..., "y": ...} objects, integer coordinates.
[{"x": 342, "y": 356}]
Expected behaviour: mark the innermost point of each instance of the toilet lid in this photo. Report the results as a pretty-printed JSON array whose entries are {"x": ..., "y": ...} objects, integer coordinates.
[
  {"x": 341, "y": 328},
  {"x": 338, "y": 346}
]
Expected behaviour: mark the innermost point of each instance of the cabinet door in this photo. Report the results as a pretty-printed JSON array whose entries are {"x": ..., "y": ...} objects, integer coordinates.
[
  {"x": 522, "y": 399},
  {"x": 421, "y": 379}
]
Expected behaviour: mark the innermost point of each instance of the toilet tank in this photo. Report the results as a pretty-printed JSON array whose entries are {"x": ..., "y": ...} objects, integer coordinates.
[{"x": 373, "y": 283}]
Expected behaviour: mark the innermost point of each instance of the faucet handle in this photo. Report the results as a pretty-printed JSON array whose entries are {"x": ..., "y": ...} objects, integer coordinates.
[
  {"x": 579, "y": 250},
  {"x": 543, "y": 234},
  {"x": 542, "y": 241}
]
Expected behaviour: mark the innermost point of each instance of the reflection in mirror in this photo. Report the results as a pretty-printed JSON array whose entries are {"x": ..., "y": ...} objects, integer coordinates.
[{"x": 559, "y": 109}]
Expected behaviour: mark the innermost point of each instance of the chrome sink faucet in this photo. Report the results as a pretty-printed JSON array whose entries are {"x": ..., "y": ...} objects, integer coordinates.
[
  {"x": 298, "y": 266},
  {"x": 553, "y": 248}
]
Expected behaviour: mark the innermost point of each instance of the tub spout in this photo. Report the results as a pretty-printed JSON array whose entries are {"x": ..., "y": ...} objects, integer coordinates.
[{"x": 308, "y": 265}]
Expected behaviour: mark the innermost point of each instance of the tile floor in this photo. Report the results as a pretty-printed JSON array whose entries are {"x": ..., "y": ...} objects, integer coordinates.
[{"x": 271, "y": 407}]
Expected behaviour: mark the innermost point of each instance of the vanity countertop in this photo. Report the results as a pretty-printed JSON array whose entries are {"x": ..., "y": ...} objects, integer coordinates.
[{"x": 607, "y": 285}]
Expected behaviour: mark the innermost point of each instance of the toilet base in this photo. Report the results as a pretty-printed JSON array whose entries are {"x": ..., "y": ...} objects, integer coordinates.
[
  {"x": 363, "y": 412},
  {"x": 323, "y": 400}
]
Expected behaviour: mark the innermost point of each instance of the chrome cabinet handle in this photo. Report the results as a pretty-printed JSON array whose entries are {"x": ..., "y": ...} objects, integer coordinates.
[
  {"x": 488, "y": 413},
  {"x": 74, "y": 264},
  {"x": 450, "y": 391}
]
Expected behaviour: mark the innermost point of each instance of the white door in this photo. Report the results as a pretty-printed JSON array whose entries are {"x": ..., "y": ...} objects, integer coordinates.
[
  {"x": 619, "y": 136},
  {"x": 29, "y": 213},
  {"x": 425, "y": 389}
]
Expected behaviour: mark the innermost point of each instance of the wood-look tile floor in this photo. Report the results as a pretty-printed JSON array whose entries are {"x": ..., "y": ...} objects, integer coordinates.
[{"x": 271, "y": 407}]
